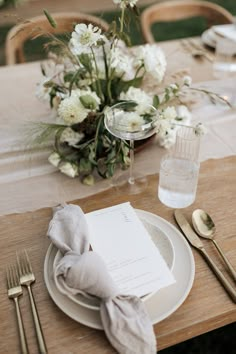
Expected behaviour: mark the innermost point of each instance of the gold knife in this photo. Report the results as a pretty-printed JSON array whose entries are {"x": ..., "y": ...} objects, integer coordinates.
[{"x": 195, "y": 241}]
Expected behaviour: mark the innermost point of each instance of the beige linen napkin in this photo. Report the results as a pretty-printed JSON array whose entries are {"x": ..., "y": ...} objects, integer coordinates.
[{"x": 124, "y": 318}]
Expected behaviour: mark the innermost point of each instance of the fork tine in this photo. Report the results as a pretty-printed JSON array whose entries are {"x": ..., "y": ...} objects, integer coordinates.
[
  {"x": 8, "y": 277},
  {"x": 14, "y": 291},
  {"x": 28, "y": 264}
]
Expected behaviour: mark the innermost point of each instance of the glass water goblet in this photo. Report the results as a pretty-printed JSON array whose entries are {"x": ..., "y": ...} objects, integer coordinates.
[{"x": 127, "y": 120}]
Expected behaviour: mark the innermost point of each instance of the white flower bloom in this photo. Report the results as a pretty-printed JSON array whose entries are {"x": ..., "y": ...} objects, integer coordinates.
[
  {"x": 71, "y": 110},
  {"x": 125, "y": 3},
  {"x": 154, "y": 61},
  {"x": 42, "y": 90},
  {"x": 131, "y": 121},
  {"x": 173, "y": 87},
  {"x": 122, "y": 63},
  {"x": 169, "y": 113},
  {"x": 84, "y": 37},
  {"x": 200, "y": 129},
  {"x": 183, "y": 113},
  {"x": 71, "y": 137},
  {"x": 187, "y": 80},
  {"x": 168, "y": 139},
  {"x": 138, "y": 95},
  {"x": 69, "y": 169},
  {"x": 54, "y": 158}
]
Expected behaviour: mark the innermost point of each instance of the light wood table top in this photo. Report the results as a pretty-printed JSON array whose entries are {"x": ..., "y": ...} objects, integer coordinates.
[{"x": 206, "y": 308}]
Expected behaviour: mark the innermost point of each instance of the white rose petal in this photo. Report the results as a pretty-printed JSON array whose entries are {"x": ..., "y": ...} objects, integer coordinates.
[
  {"x": 71, "y": 137},
  {"x": 169, "y": 113},
  {"x": 69, "y": 169},
  {"x": 122, "y": 63},
  {"x": 154, "y": 61},
  {"x": 54, "y": 159},
  {"x": 141, "y": 97}
]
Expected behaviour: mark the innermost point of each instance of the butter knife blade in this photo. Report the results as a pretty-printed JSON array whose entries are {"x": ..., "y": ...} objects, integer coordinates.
[
  {"x": 189, "y": 233},
  {"x": 195, "y": 241}
]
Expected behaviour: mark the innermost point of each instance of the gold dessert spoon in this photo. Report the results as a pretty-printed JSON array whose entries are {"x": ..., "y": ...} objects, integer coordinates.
[{"x": 205, "y": 227}]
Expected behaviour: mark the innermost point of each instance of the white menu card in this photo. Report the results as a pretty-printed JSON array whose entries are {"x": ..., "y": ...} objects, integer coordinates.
[{"x": 132, "y": 259}]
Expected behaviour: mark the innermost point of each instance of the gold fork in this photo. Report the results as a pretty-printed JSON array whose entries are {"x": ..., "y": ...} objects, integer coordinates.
[
  {"x": 27, "y": 278},
  {"x": 14, "y": 291}
]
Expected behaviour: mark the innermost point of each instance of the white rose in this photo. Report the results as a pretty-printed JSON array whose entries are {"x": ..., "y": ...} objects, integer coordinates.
[{"x": 154, "y": 61}]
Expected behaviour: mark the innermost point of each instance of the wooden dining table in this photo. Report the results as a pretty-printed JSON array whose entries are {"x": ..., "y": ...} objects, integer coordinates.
[{"x": 207, "y": 306}]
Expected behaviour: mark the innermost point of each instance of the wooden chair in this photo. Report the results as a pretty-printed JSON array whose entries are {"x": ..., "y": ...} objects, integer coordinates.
[
  {"x": 177, "y": 10},
  {"x": 37, "y": 26}
]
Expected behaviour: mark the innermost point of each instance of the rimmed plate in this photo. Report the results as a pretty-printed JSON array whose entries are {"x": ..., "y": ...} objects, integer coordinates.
[
  {"x": 161, "y": 305},
  {"x": 161, "y": 241}
]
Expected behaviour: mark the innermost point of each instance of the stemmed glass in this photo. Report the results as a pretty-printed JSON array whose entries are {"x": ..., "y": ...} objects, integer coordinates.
[{"x": 128, "y": 120}]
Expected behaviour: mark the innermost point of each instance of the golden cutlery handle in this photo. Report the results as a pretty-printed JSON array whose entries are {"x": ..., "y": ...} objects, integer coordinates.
[
  {"x": 227, "y": 262},
  {"x": 38, "y": 329},
  {"x": 228, "y": 287},
  {"x": 23, "y": 342}
]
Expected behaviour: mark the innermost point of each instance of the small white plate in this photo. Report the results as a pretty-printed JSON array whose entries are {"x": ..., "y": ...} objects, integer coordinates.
[
  {"x": 159, "y": 306},
  {"x": 161, "y": 241}
]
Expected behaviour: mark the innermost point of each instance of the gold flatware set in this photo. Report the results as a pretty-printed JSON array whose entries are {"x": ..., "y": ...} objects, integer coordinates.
[
  {"x": 195, "y": 241},
  {"x": 18, "y": 276}
]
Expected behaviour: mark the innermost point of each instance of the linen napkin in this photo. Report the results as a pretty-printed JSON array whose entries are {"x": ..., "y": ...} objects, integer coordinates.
[{"x": 124, "y": 317}]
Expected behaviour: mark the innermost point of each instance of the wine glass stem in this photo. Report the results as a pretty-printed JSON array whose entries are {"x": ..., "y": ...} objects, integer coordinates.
[{"x": 131, "y": 168}]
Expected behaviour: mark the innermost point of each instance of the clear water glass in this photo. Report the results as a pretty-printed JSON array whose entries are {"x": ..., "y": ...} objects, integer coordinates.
[{"x": 179, "y": 170}]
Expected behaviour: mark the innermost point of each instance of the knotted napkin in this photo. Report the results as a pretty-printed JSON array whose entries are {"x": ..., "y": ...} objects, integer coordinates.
[{"x": 124, "y": 318}]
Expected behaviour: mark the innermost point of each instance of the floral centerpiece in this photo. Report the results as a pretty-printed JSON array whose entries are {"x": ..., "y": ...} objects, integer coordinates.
[{"x": 87, "y": 74}]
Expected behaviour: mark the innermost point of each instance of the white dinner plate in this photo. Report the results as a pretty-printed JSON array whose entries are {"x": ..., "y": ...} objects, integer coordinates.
[{"x": 159, "y": 306}]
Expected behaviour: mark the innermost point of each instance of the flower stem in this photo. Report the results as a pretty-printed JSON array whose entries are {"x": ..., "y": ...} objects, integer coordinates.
[
  {"x": 98, "y": 83},
  {"x": 131, "y": 168},
  {"x": 122, "y": 19}
]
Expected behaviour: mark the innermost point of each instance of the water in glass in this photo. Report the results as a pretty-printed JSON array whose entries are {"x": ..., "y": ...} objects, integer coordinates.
[{"x": 179, "y": 170}]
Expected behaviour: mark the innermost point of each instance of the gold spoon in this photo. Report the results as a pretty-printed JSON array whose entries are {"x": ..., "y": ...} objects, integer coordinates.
[{"x": 205, "y": 227}]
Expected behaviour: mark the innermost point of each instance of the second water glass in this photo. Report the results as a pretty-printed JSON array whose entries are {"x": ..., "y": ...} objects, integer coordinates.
[{"x": 179, "y": 170}]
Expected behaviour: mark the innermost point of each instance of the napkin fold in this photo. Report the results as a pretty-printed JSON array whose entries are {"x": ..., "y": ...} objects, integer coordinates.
[{"x": 124, "y": 317}]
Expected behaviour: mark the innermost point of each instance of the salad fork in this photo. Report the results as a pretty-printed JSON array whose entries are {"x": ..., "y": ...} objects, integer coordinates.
[
  {"x": 27, "y": 278},
  {"x": 14, "y": 292}
]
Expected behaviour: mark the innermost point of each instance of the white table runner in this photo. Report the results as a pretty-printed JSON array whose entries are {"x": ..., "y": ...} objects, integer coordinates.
[{"x": 29, "y": 182}]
